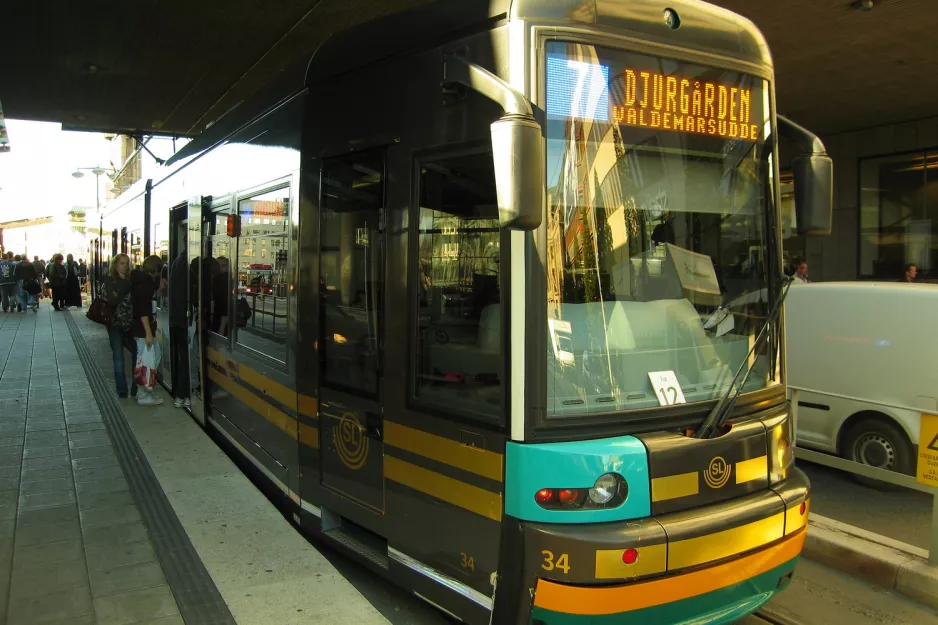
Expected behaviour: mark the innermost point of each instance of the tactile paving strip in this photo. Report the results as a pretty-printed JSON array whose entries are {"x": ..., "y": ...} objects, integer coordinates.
[{"x": 197, "y": 597}]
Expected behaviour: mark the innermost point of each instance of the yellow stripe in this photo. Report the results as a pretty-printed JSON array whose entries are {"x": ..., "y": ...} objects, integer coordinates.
[
  {"x": 712, "y": 547},
  {"x": 309, "y": 435},
  {"x": 261, "y": 407},
  {"x": 674, "y": 486},
  {"x": 279, "y": 392},
  {"x": 752, "y": 469},
  {"x": 472, "y": 498},
  {"x": 794, "y": 520},
  {"x": 651, "y": 559},
  {"x": 598, "y": 600},
  {"x": 446, "y": 450},
  {"x": 307, "y": 406}
]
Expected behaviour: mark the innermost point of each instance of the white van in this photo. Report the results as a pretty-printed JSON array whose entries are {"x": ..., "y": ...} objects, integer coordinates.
[{"x": 864, "y": 356}]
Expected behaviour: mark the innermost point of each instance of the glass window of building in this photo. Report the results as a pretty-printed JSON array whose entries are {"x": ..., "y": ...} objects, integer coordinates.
[
  {"x": 262, "y": 286},
  {"x": 899, "y": 215}
]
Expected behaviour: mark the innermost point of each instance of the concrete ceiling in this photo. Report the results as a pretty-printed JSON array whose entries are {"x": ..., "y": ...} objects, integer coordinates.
[{"x": 175, "y": 65}]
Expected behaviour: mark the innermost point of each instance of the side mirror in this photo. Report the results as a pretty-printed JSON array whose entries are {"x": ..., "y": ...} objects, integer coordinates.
[
  {"x": 814, "y": 194},
  {"x": 518, "y": 156},
  {"x": 813, "y": 173},
  {"x": 517, "y": 145}
]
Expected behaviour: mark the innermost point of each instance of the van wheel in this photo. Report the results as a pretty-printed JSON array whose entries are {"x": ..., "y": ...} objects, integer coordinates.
[{"x": 880, "y": 444}]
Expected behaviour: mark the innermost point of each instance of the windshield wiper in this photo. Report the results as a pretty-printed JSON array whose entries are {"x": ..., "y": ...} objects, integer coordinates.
[{"x": 724, "y": 407}]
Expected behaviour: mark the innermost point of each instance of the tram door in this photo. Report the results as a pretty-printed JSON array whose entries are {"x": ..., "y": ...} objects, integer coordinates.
[{"x": 351, "y": 282}]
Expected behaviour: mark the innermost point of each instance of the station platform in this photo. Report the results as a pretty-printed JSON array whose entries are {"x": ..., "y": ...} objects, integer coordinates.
[{"x": 113, "y": 513}]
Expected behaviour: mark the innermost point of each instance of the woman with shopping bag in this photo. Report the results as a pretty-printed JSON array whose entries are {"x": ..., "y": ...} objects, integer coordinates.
[{"x": 145, "y": 282}]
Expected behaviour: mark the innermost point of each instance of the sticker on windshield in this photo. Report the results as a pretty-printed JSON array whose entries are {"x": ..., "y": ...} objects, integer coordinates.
[{"x": 667, "y": 388}]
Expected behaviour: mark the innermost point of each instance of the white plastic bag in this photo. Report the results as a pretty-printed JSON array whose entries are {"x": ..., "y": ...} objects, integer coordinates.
[{"x": 148, "y": 363}]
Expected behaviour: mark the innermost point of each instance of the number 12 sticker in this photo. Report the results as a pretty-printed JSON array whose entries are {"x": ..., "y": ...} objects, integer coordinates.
[{"x": 667, "y": 388}]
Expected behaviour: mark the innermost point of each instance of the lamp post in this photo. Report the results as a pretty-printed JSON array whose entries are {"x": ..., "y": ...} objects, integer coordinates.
[{"x": 96, "y": 259}]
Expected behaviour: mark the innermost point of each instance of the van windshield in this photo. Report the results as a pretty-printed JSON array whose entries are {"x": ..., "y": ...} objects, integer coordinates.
[{"x": 659, "y": 190}]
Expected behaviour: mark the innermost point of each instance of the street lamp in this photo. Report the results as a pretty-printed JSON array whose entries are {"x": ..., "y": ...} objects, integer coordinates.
[{"x": 97, "y": 171}]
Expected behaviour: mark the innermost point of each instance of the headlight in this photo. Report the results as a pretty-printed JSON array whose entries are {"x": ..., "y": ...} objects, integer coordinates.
[
  {"x": 604, "y": 489},
  {"x": 609, "y": 491},
  {"x": 781, "y": 451}
]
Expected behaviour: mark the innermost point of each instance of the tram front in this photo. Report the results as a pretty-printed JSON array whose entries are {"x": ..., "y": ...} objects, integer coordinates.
[{"x": 650, "y": 475}]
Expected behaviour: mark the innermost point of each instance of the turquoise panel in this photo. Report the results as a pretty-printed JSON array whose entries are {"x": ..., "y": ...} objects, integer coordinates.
[
  {"x": 576, "y": 464},
  {"x": 720, "y": 607}
]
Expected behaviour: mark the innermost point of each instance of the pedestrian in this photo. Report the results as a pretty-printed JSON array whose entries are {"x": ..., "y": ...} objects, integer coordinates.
[
  {"x": 72, "y": 283},
  {"x": 801, "y": 272},
  {"x": 47, "y": 286},
  {"x": 8, "y": 283},
  {"x": 58, "y": 275},
  {"x": 83, "y": 275},
  {"x": 179, "y": 330},
  {"x": 27, "y": 284},
  {"x": 117, "y": 291},
  {"x": 40, "y": 267},
  {"x": 910, "y": 271},
  {"x": 145, "y": 287}
]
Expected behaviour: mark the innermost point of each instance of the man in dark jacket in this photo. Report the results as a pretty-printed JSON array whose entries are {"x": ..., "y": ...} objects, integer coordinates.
[
  {"x": 26, "y": 278},
  {"x": 144, "y": 286},
  {"x": 8, "y": 282}
]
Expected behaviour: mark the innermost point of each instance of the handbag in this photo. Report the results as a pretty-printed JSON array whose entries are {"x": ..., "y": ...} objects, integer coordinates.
[
  {"x": 32, "y": 286},
  {"x": 100, "y": 311}
]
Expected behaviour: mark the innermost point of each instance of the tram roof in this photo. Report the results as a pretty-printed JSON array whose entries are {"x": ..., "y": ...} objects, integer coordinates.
[{"x": 177, "y": 66}]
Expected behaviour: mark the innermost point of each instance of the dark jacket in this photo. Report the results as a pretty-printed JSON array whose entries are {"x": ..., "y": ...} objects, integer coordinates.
[
  {"x": 179, "y": 292},
  {"x": 25, "y": 271},
  {"x": 143, "y": 298},
  {"x": 57, "y": 274}
]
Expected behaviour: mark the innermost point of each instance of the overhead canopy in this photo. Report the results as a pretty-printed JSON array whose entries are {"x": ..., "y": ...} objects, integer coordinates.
[{"x": 176, "y": 66}]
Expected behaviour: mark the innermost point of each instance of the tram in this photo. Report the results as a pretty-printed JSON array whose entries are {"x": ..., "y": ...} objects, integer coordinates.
[{"x": 486, "y": 347}]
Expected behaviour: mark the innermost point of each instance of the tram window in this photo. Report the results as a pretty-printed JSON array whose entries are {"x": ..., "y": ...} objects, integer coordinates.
[
  {"x": 458, "y": 338},
  {"x": 261, "y": 308},
  {"x": 351, "y": 275},
  {"x": 217, "y": 272}
]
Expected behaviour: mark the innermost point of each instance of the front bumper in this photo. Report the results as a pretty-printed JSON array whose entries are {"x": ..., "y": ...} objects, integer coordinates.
[{"x": 714, "y": 564}]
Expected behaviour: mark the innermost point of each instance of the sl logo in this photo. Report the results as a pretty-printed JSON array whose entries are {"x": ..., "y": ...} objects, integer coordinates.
[
  {"x": 350, "y": 441},
  {"x": 718, "y": 473}
]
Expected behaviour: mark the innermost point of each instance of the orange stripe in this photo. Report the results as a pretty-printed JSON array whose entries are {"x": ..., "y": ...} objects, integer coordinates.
[{"x": 616, "y": 599}]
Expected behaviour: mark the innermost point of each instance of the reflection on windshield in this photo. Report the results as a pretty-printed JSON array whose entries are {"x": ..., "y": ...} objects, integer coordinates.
[{"x": 657, "y": 199}]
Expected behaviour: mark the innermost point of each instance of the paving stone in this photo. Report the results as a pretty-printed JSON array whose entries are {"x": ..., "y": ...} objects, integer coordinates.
[
  {"x": 46, "y": 500},
  {"x": 101, "y": 517},
  {"x": 51, "y": 607},
  {"x": 31, "y": 535},
  {"x": 111, "y": 556},
  {"x": 38, "y": 556},
  {"x": 104, "y": 460},
  {"x": 38, "y": 487},
  {"x": 45, "y": 463},
  {"x": 92, "y": 451},
  {"x": 117, "y": 534},
  {"x": 102, "y": 486},
  {"x": 86, "y": 427},
  {"x": 135, "y": 606},
  {"x": 108, "y": 581},
  {"x": 50, "y": 473},
  {"x": 41, "y": 516},
  {"x": 98, "y": 473},
  {"x": 92, "y": 501}
]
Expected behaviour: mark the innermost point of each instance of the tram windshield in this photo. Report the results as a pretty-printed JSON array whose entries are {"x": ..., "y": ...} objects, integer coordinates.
[{"x": 659, "y": 191}]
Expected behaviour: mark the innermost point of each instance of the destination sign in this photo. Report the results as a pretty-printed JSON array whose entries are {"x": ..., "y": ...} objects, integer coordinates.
[
  {"x": 641, "y": 91},
  {"x": 654, "y": 100}
]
